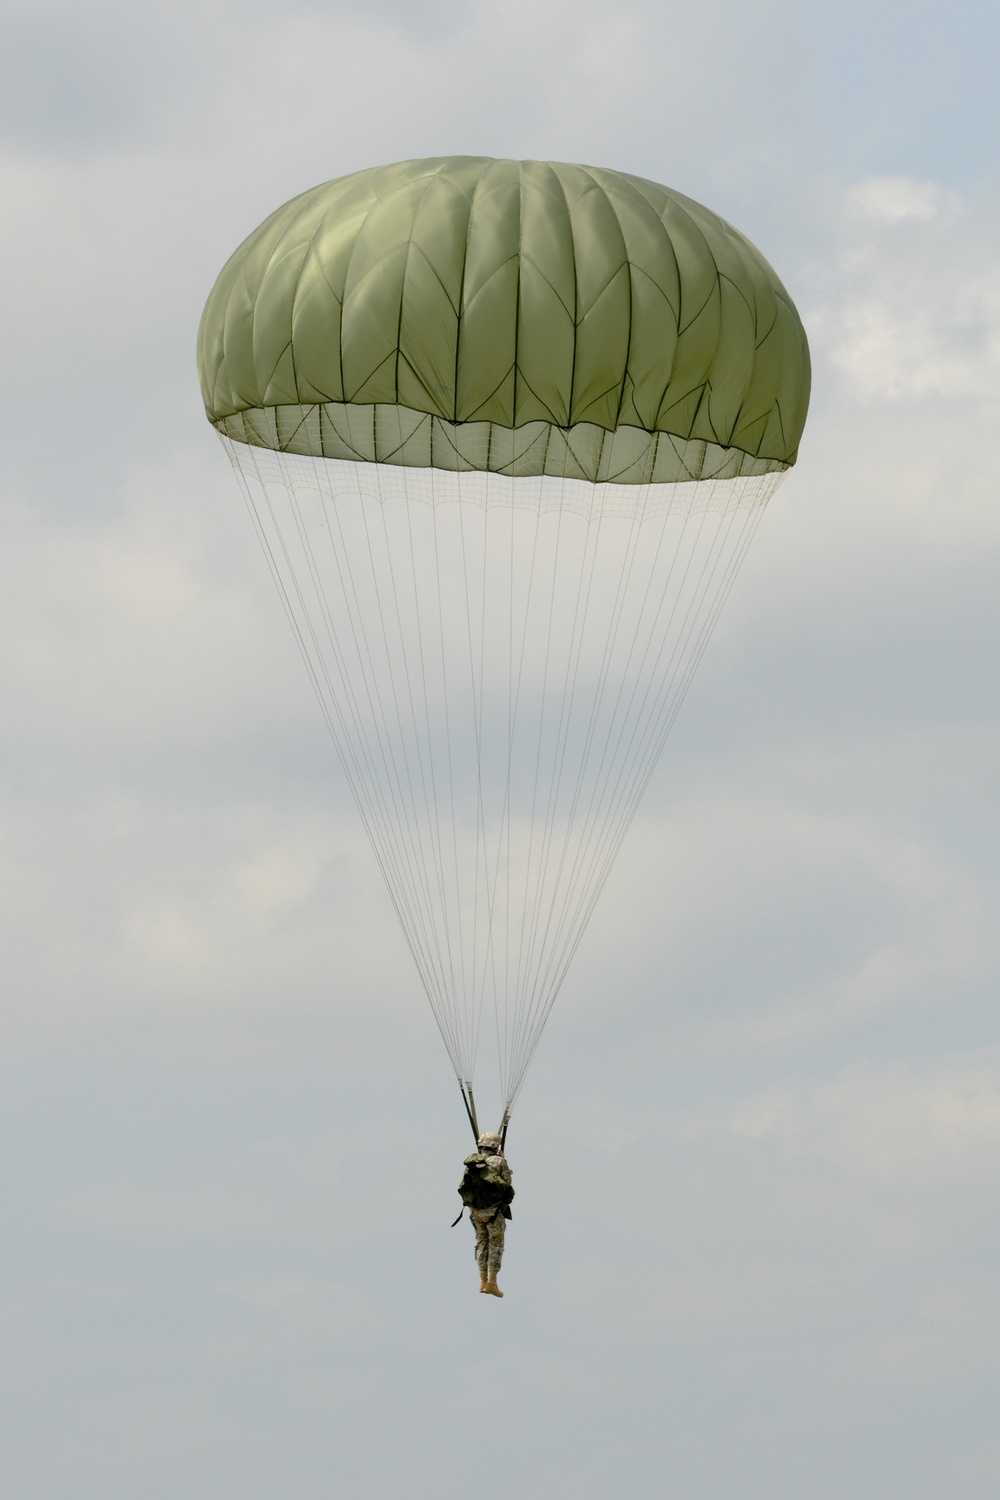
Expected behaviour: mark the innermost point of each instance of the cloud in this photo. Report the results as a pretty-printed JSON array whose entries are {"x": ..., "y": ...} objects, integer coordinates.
[
  {"x": 916, "y": 313},
  {"x": 141, "y": 627},
  {"x": 895, "y": 199},
  {"x": 775, "y": 921},
  {"x": 891, "y": 1160},
  {"x": 141, "y": 917},
  {"x": 907, "y": 1126}
]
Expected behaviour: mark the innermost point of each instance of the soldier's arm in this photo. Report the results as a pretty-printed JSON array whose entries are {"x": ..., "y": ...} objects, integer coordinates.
[{"x": 499, "y": 1172}]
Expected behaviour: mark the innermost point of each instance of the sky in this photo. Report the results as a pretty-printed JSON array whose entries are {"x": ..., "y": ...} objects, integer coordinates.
[{"x": 756, "y": 1232}]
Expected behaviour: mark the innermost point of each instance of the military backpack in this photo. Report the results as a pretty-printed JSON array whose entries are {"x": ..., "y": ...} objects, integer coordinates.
[{"x": 482, "y": 1186}]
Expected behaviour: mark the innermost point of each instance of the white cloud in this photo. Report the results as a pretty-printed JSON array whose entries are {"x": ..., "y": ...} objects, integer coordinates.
[
  {"x": 771, "y": 878},
  {"x": 151, "y": 626},
  {"x": 893, "y": 199},
  {"x": 908, "y": 1127},
  {"x": 148, "y": 919},
  {"x": 914, "y": 312}
]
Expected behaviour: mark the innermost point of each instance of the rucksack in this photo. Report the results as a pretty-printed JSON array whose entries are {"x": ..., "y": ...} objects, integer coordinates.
[{"x": 482, "y": 1186}]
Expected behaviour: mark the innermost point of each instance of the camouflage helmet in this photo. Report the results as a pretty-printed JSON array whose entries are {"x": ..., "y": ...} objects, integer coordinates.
[{"x": 490, "y": 1142}]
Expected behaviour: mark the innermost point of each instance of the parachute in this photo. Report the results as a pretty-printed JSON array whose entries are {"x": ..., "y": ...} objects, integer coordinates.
[{"x": 505, "y": 430}]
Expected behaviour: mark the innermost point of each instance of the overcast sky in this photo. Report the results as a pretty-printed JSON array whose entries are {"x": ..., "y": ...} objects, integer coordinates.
[{"x": 754, "y": 1255}]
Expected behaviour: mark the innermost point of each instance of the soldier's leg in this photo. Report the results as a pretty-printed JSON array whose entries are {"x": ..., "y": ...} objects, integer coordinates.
[
  {"x": 497, "y": 1228},
  {"x": 497, "y": 1231},
  {"x": 482, "y": 1246}
]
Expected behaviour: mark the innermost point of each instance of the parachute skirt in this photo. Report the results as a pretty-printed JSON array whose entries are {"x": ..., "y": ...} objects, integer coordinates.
[{"x": 499, "y": 661}]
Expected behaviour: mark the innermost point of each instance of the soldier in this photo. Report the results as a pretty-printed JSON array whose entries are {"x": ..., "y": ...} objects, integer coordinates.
[{"x": 486, "y": 1191}]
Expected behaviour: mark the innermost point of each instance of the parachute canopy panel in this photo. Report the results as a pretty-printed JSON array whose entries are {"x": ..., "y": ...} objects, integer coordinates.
[{"x": 514, "y": 317}]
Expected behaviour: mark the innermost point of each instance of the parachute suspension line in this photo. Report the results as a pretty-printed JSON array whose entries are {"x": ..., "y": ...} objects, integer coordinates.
[
  {"x": 450, "y": 1015},
  {"x": 531, "y": 643},
  {"x": 363, "y": 778},
  {"x": 315, "y": 665},
  {"x": 476, "y": 693},
  {"x": 528, "y": 1002},
  {"x": 666, "y": 709},
  {"x": 435, "y": 983},
  {"x": 372, "y": 816},
  {"x": 543, "y": 702},
  {"x": 503, "y": 1033},
  {"x": 399, "y": 861},
  {"x": 530, "y": 1016},
  {"x": 615, "y": 827},
  {"x": 626, "y": 790},
  {"x": 546, "y": 601},
  {"x": 665, "y": 721},
  {"x": 764, "y": 489},
  {"x": 458, "y": 983},
  {"x": 592, "y": 541},
  {"x": 535, "y": 876},
  {"x": 577, "y": 634},
  {"x": 403, "y": 862},
  {"x": 623, "y": 827},
  {"x": 533, "y": 999},
  {"x": 407, "y": 834},
  {"x": 501, "y": 990},
  {"x": 266, "y": 548},
  {"x": 504, "y": 851},
  {"x": 593, "y": 822},
  {"x": 607, "y": 661}
]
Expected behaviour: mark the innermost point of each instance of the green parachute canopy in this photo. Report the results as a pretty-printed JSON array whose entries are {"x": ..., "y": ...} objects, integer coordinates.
[{"x": 515, "y": 317}]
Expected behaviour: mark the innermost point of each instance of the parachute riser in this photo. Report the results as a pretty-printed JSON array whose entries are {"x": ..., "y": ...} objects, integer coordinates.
[
  {"x": 470, "y": 1107},
  {"x": 468, "y": 1099}
]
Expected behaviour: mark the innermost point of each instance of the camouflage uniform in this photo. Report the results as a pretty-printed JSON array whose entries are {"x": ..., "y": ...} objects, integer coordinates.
[{"x": 490, "y": 1224}]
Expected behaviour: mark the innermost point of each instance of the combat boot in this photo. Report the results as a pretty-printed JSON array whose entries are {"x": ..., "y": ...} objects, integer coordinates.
[
  {"x": 491, "y": 1286},
  {"x": 483, "y": 1280}
]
